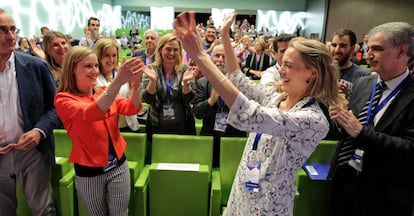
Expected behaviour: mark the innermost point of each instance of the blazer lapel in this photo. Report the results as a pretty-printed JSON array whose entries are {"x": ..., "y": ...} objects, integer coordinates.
[
  {"x": 404, "y": 97},
  {"x": 24, "y": 83}
]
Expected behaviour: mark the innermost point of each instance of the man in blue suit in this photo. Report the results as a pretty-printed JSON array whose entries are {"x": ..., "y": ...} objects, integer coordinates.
[{"x": 27, "y": 117}]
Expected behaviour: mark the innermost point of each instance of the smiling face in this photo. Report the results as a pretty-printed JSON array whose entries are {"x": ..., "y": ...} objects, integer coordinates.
[
  {"x": 109, "y": 59},
  {"x": 295, "y": 75},
  {"x": 57, "y": 49},
  {"x": 219, "y": 58},
  {"x": 150, "y": 40},
  {"x": 86, "y": 71},
  {"x": 341, "y": 49},
  {"x": 170, "y": 52},
  {"x": 382, "y": 56}
]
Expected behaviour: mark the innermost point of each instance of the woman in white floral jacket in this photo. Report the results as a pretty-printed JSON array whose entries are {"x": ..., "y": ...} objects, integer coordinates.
[{"x": 285, "y": 127}]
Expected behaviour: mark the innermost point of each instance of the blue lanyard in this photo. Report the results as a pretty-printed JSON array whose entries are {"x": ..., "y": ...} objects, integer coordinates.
[
  {"x": 168, "y": 85},
  {"x": 256, "y": 141},
  {"x": 222, "y": 104},
  {"x": 370, "y": 116},
  {"x": 113, "y": 73}
]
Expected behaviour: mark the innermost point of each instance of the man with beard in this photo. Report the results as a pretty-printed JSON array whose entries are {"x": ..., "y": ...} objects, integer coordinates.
[
  {"x": 343, "y": 44},
  {"x": 150, "y": 41},
  {"x": 210, "y": 39},
  {"x": 211, "y": 108},
  {"x": 371, "y": 172}
]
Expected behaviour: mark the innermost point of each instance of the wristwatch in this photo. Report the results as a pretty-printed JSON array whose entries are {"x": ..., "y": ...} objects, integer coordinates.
[{"x": 185, "y": 85}]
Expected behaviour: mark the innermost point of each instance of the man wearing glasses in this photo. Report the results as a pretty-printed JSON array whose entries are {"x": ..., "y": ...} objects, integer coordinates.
[{"x": 27, "y": 117}]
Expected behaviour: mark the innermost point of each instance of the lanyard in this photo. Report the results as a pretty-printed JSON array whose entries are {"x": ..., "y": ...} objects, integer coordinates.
[
  {"x": 113, "y": 73},
  {"x": 222, "y": 104},
  {"x": 168, "y": 85},
  {"x": 370, "y": 116},
  {"x": 256, "y": 141},
  {"x": 258, "y": 65}
]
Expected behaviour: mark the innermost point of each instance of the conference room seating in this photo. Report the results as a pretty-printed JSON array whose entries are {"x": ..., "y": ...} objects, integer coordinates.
[
  {"x": 231, "y": 150},
  {"x": 314, "y": 195},
  {"x": 179, "y": 175}
]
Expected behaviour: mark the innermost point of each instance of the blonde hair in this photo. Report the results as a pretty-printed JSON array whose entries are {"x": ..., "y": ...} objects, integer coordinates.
[
  {"x": 161, "y": 43},
  {"x": 46, "y": 46},
  {"x": 68, "y": 79},
  {"x": 316, "y": 57},
  {"x": 99, "y": 49},
  {"x": 262, "y": 43}
]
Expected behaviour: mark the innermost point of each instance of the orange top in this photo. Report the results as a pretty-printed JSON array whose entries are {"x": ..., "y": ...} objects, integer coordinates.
[{"x": 89, "y": 128}]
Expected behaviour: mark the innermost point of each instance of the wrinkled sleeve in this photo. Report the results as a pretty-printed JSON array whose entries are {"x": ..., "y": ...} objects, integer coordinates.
[{"x": 307, "y": 125}]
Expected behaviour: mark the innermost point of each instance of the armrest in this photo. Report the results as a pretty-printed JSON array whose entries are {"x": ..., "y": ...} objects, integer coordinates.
[
  {"x": 143, "y": 179},
  {"x": 67, "y": 178},
  {"x": 141, "y": 192},
  {"x": 215, "y": 195}
]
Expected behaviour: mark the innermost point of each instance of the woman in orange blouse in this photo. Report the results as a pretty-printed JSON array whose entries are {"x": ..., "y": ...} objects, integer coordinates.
[{"x": 90, "y": 117}]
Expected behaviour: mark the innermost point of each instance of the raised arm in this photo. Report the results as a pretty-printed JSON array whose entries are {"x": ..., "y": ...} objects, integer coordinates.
[{"x": 187, "y": 32}]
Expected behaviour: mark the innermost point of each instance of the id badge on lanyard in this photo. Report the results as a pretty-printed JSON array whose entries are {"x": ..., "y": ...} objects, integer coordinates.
[
  {"x": 220, "y": 123},
  {"x": 252, "y": 183}
]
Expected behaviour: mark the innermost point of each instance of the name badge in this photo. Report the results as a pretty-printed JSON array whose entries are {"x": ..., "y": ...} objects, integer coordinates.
[
  {"x": 252, "y": 176},
  {"x": 220, "y": 124},
  {"x": 111, "y": 164},
  {"x": 168, "y": 111},
  {"x": 356, "y": 160}
]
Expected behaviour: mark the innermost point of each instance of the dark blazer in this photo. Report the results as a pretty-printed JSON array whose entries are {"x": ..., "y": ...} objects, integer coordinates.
[
  {"x": 264, "y": 62},
  {"x": 386, "y": 183},
  {"x": 143, "y": 54},
  {"x": 202, "y": 110},
  {"x": 37, "y": 91}
]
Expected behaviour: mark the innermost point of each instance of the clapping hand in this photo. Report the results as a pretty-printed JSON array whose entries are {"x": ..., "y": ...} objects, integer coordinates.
[
  {"x": 190, "y": 73},
  {"x": 131, "y": 70}
]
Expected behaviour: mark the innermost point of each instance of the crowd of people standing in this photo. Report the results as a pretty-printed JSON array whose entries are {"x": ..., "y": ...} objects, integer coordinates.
[{"x": 287, "y": 96}]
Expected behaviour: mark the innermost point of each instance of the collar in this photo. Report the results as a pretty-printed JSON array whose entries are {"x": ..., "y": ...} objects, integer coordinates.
[{"x": 392, "y": 84}]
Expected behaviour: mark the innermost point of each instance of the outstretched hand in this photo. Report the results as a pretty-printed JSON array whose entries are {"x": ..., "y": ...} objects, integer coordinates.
[
  {"x": 228, "y": 21},
  {"x": 186, "y": 30}
]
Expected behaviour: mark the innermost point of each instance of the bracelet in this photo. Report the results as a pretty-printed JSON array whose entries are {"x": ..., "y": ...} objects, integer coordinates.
[{"x": 222, "y": 80}]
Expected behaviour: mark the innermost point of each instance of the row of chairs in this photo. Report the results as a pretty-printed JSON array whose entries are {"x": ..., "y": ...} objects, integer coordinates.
[{"x": 180, "y": 179}]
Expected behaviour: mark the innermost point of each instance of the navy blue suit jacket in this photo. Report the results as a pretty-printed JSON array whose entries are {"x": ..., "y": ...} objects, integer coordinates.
[{"x": 37, "y": 90}]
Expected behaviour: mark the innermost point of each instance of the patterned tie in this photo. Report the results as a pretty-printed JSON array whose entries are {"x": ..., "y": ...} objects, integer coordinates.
[{"x": 347, "y": 149}]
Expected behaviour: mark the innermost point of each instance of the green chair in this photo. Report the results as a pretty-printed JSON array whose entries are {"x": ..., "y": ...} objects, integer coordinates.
[
  {"x": 63, "y": 175},
  {"x": 306, "y": 204},
  {"x": 231, "y": 150},
  {"x": 171, "y": 189},
  {"x": 135, "y": 154}
]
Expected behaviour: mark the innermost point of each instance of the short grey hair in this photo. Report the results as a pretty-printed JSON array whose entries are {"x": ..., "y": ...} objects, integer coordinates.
[{"x": 398, "y": 34}]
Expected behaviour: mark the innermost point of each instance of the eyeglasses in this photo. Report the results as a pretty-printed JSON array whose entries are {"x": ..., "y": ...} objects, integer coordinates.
[{"x": 4, "y": 30}]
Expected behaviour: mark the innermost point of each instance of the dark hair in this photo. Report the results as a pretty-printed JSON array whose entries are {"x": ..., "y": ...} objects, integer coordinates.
[
  {"x": 92, "y": 18},
  {"x": 282, "y": 38},
  {"x": 343, "y": 32}
]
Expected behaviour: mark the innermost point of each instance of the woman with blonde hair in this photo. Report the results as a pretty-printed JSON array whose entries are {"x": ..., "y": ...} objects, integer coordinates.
[
  {"x": 107, "y": 51},
  {"x": 169, "y": 89},
  {"x": 285, "y": 128},
  {"x": 55, "y": 46},
  {"x": 90, "y": 116},
  {"x": 257, "y": 61}
]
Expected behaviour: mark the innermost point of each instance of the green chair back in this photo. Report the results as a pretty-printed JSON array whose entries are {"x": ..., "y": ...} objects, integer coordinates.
[
  {"x": 231, "y": 150},
  {"x": 173, "y": 148}
]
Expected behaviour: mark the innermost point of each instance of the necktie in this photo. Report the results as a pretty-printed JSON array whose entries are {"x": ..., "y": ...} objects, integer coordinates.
[{"x": 347, "y": 149}]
